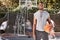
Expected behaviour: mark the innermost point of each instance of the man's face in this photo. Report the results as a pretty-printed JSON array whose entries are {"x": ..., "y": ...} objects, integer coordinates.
[{"x": 41, "y": 6}]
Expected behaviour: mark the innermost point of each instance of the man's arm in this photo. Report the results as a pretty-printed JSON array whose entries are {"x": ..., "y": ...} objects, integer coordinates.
[
  {"x": 34, "y": 26},
  {"x": 49, "y": 21}
]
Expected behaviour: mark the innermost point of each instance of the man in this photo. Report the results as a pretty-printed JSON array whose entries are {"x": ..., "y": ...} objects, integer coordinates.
[
  {"x": 28, "y": 28},
  {"x": 40, "y": 19},
  {"x": 50, "y": 30},
  {"x": 3, "y": 27},
  {"x": 47, "y": 27}
]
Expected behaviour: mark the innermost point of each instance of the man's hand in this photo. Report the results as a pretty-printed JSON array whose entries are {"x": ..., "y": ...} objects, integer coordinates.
[{"x": 34, "y": 37}]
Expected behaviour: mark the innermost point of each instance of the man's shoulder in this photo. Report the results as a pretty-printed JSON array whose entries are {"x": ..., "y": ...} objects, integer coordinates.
[
  {"x": 36, "y": 12},
  {"x": 45, "y": 12}
]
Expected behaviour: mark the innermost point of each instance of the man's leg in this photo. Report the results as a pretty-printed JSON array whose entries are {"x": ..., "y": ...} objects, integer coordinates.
[
  {"x": 38, "y": 35},
  {"x": 45, "y": 36}
]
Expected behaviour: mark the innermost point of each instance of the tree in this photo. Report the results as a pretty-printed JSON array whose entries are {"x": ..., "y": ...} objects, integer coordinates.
[
  {"x": 10, "y": 4},
  {"x": 2, "y": 8}
]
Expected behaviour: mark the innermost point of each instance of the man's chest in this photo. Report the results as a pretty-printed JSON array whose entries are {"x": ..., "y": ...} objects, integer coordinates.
[{"x": 41, "y": 16}]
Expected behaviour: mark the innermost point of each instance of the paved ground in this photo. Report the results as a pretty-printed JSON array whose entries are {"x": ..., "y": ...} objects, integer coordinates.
[
  {"x": 12, "y": 37},
  {"x": 19, "y": 38},
  {"x": 55, "y": 38}
]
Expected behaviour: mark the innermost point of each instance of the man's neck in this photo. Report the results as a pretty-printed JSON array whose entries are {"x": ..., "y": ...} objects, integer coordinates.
[{"x": 41, "y": 11}]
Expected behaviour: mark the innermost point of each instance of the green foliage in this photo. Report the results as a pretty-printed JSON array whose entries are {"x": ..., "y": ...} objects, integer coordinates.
[
  {"x": 2, "y": 15},
  {"x": 33, "y": 10},
  {"x": 3, "y": 9}
]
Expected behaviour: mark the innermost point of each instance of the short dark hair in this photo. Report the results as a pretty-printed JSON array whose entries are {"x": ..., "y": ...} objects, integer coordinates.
[
  {"x": 0, "y": 3},
  {"x": 41, "y": 2}
]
